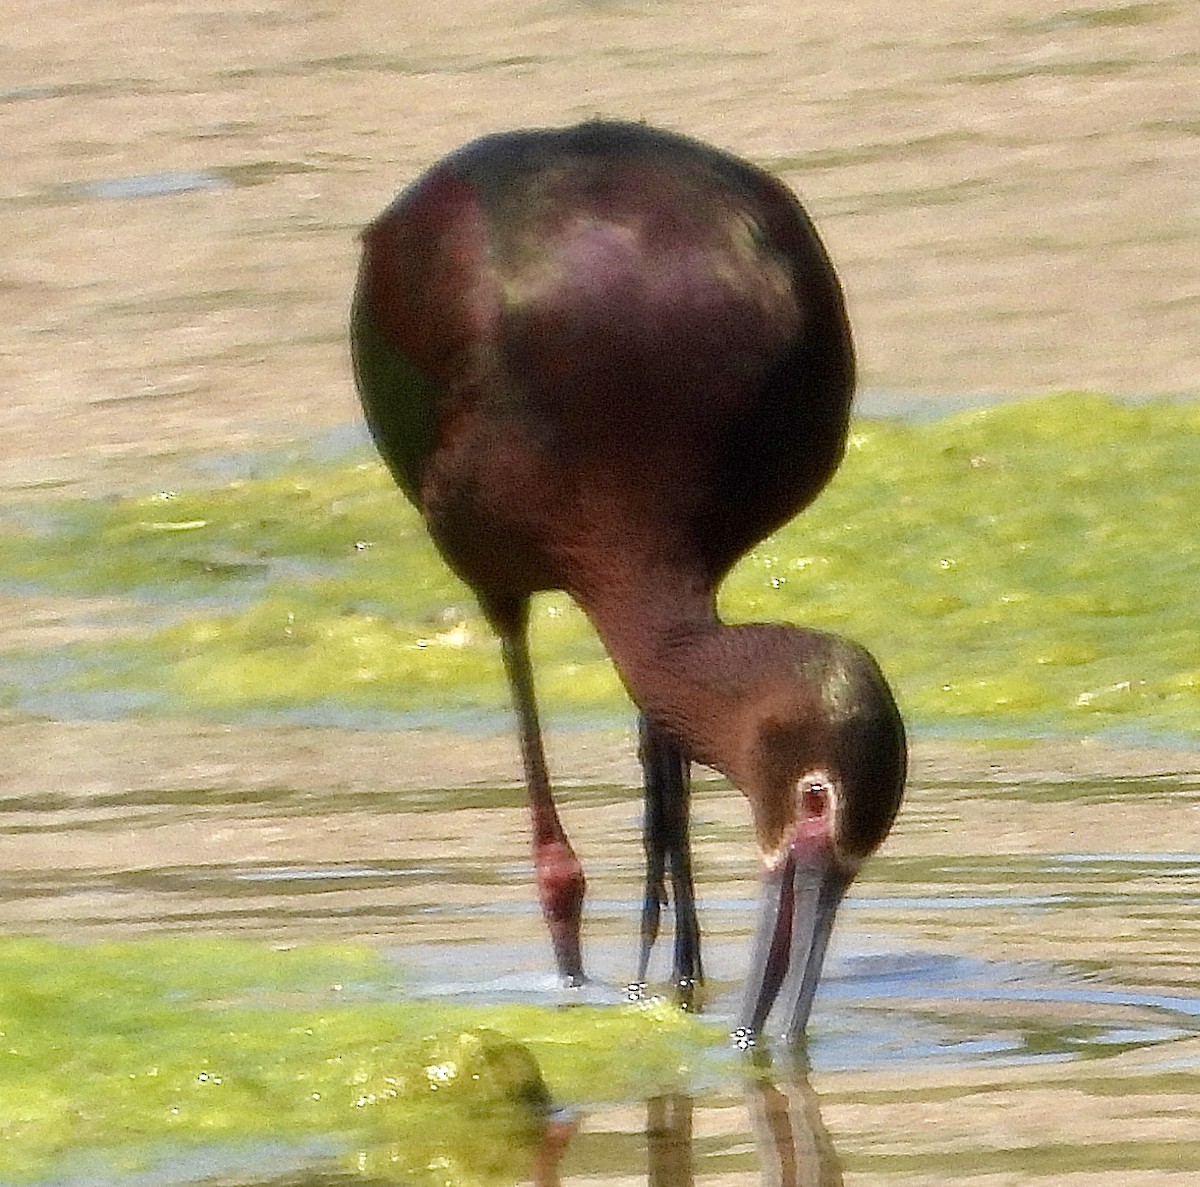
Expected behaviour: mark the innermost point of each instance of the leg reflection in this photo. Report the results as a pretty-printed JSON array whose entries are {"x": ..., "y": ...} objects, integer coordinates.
[
  {"x": 669, "y": 1141},
  {"x": 794, "y": 1147},
  {"x": 555, "y": 1138}
]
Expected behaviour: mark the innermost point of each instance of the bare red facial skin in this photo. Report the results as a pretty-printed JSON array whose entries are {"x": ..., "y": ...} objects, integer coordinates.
[{"x": 814, "y": 824}]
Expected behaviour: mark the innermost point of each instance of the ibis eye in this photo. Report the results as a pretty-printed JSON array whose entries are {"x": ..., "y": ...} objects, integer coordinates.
[{"x": 814, "y": 798}]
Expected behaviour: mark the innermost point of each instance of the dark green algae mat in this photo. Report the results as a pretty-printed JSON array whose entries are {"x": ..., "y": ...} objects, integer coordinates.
[{"x": 1028, "y": 569}]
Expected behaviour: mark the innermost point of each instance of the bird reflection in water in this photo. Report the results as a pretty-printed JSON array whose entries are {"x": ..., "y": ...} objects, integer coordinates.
[
  {"x": 794, "y": 1147},
  {"x": 784, "y": 1118}
]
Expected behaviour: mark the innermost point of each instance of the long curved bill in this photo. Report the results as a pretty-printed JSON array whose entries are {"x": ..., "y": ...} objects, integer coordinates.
[{"x": 800, "y": 899}]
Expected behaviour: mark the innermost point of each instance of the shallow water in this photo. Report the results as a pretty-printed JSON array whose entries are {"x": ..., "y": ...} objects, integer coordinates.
[{"x": 1013, "y": 991}]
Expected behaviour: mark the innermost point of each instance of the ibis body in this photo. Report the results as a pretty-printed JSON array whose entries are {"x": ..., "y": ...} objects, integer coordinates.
[{"x": 610, "y": 360}]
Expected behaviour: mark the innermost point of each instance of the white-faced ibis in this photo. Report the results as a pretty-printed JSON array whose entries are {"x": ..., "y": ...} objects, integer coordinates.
[{"x": 610, "y": 360}]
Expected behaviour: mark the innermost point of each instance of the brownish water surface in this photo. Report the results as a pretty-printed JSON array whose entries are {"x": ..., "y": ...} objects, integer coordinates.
[{"x": 1009, "y": 189}]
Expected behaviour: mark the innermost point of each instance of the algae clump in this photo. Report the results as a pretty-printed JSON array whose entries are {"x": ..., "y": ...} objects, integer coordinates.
[{"x": 125, "y": 1049}]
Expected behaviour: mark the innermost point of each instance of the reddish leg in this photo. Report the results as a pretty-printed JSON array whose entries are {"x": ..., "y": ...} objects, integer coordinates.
[{"x": 559, "y": 874}]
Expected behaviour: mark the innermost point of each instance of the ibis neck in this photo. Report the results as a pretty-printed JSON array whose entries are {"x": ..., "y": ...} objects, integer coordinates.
[{"x": 681, "y": 665}]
